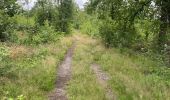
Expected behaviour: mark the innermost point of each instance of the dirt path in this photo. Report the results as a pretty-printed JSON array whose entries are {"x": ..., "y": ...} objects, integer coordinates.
[
  {"x": 63, "y": 76},
  {"x": 102, "y": 79}
]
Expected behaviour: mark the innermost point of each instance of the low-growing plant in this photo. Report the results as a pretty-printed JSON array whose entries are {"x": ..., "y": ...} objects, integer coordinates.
[{"x": 4, "y": 52}]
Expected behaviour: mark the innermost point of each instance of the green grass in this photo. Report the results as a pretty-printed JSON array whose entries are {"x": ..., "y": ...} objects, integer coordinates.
[
  {"x": 83, "y": 85},
  {"x": 132, "y": 77},
  {"x": 30, "y": 71}
]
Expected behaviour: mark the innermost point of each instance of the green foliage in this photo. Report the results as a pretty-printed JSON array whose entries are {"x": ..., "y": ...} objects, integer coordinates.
[
  {"x": 7, "y": 24},
  {"x": 89, "y": 24},
  {"x": 24, "y": 21},
  {"x": 3, "y": 52},
  {"x": 58, "y": 16},
  {"x": 45, "y": 15},
  {"x": 116, "y": 35},
  {"x": 41, "y": 17},
  {"x": 109, "y": 36},
  {"x": 7, "y": 10},
  {"x": 65, "y": 15},
  {"x": 10, "y": 7},
  {"x": 45, "y": 34},
  {"x": 141, "y": 25}
]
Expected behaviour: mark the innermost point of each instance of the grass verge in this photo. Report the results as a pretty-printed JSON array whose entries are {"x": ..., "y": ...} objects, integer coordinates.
[
  {"x": 132, "y": 77},
  {"x": 29, "y": 72},
  {"x": 83, "y": 85}
]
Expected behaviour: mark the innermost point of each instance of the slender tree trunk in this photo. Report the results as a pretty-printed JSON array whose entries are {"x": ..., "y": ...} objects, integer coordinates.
[
  {"x": 112, "y": 11},
  {"x": 164, "y": 24}
]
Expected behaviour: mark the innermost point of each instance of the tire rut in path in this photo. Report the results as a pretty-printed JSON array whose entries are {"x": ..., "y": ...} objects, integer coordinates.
[
  {"x": 102, "y": 78},
  {"x": 63, "y": 76}
]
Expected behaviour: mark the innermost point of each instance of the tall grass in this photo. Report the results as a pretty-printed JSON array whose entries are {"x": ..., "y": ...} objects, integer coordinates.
[
  {"x": 83, "y": 85},
  {"x": 30, "y": 71},
  {"x": 132, "y": 77}
]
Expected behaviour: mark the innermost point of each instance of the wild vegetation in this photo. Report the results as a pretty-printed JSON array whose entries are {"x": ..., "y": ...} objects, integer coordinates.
[
  {"x": 141, "y": 25},
  {"x": 128, "y": 39}
]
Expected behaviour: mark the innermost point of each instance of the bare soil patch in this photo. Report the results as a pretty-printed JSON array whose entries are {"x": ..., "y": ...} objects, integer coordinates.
[{"x": 63, "y": 76}]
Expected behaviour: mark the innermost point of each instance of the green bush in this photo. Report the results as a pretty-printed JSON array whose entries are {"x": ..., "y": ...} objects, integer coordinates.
[
  {"x": 25, "y": 20},
  {"x": 7, "y": 25},
  {"x": 44, "y": 34},
  {"x": 89, "y": 25},
  {"x": 108, "y": 35},
  {"x": 49, "y": 15},
  {"x": 114, "y": 34}
]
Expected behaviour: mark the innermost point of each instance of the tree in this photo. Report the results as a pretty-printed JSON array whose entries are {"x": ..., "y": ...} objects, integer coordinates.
[
  {"x": 126, "y": 12},
  {"x": 8, "y": 8},
  {"x": 65, "y": 15},
  {"x": 45, "y": 11},
  {"x": 164, "y": 21}
]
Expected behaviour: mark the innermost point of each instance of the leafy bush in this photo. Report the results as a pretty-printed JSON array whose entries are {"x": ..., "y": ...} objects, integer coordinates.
[
  {"x": 114, "y": 34},
  {"x": 25, "y": 20},
  {"x": 6, "y": 26},
  {"x": 49, "y": 15},
  {"x": 108, "y": 35},
  {"x": 89, "y": 25},
  {"x": 44, "y": 34},
  {"x": 41, "y": 17}
]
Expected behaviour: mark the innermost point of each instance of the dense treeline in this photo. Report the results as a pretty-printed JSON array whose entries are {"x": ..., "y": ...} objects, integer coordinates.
[
  {"x": 57, "y": 14},
  {"x": 142, "y": 25}
]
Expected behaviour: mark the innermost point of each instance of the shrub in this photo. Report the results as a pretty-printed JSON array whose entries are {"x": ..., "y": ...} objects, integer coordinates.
[
  {"x": 49, "y": 15},
  {"x": 6, "y": 26},
  {"x": 115, "y": 34},
  {"x": 89, "y": 25},
  {"x": 108, "y": 34},
  {"x": 44, "y": 34}
]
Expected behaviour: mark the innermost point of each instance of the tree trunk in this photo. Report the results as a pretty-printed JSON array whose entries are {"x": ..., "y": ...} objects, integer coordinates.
[{"x": 164, "y": 24}]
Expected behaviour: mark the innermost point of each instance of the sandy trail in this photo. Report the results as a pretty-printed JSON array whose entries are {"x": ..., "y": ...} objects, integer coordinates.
[{"x": 63, "y": 76}]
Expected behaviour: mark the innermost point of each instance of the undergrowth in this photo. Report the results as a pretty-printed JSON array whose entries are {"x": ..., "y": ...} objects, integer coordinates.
[{"x": 29, "y": 72}]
